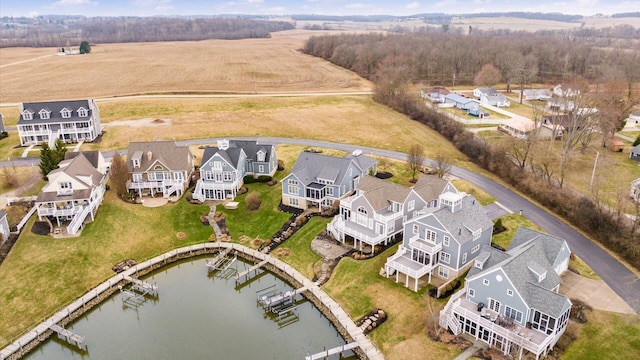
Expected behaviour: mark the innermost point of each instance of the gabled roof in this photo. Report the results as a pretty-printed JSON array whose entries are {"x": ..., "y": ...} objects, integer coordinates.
[
  {"x": 522, "y": 264},
  {"x": 636, "y": 149},
  {"x": 487, "y": 91},
  {"x": 55, "y": 107},
  {"x": 311, "y": 166},
  {"x": 379, "y": 193},
  {"x": 251, "y": 149},
  {"x": 429, "y": 187},
  {"x": 437, "y": 90},
  {"x": 459, "y": 99},
  {"x": 230, "y": 155},
  {"x": 363, "y": 162},
  {"x": 461, "y": 223},
  {"x": 78, "y": 168},
  {"x": 93, "y": 156},
  {"x": 552, "y": 245},
  {"x": 175, "y": 157}
]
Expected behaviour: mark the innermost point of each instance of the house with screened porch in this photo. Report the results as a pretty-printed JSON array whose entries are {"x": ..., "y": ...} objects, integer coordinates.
[
  {"x": 441, "y": 243},
  {"x": 159, "y": 167},
  {"x": 510, "y": 299}
]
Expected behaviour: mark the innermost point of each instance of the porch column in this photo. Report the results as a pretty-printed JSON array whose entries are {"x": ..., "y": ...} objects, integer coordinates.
[
  {"x": 58, "y": 220},
  {"x": 416, "y": 287}
]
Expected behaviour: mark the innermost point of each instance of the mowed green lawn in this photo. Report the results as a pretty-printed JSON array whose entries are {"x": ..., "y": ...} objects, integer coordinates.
[{"x": 42, "y": 274}]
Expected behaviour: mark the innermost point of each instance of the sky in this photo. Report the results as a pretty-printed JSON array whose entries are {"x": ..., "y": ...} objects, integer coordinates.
[{"x": 319, "y": 7}]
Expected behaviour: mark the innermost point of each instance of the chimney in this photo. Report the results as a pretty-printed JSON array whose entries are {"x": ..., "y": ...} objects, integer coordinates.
[
  {"x": 460, "y": 231},
  {"x": 149, "y": 155}
]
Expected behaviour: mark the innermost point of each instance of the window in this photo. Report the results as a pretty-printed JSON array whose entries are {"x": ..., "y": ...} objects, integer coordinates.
[
  {"x": 228, "y": 175},
  {"x": 27, "y": 115},
  {"x": 178, "y": 176},
  {"x": 472, "y": 293},
  {"x": 137, "y": 177},
  {"x": 509, "y": 292},
  {"x": 430, "y": 235},
  {"x": 66, "y": 113},
  {"x": 44, "y": 114},
  {"x": 415, "y": 228},
  {"x": 494, "y": 305},
  {"x": 443, "y": 272},
  {"x": 217, "y": 165},
  {"x": 293, "y": 182},
  {"x": 260, "y": 168},
  {"x": 464, "y": 258},
  {"x": 329, "y": 191},
  {"x": 293, "y": 201},
  {"x": 361, "y": 217},
  {"x": 475, "y": 249},
  {"x": 64, "y": 188},
  {"x": 293, "y": 189},
  {"x": 513, "y": 313},
  {"x": 445, "y": 258},
  {"x": 82, "y": 112},
  {"x": 445, "y": 242},
  {"x": 485, "y": 282},
  {"x": 261, "y": 156},
  {"x": 411, "y": 205},
  {"x": 157, "y": 167}
]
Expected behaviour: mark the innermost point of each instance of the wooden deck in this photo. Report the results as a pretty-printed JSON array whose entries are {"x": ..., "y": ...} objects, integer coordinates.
[{"x": 335, "y": 351}]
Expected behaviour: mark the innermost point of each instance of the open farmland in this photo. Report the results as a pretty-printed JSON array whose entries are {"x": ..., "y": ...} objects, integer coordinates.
[{"x": 212, "y": 66}]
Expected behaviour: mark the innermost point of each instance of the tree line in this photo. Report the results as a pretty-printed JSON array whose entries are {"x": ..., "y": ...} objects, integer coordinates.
[
  {"x": 58, "y": 32},
  {"x": 394, "y": 61}
]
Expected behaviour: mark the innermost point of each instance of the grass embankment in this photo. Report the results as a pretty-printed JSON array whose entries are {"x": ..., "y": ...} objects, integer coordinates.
[
  {"x": 301, "y": 256},
  {"x": 42, "y": 274}
]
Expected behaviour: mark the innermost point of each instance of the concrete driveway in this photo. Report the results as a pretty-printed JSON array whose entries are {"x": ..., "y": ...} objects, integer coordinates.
[{"x": 595, "y": 293}]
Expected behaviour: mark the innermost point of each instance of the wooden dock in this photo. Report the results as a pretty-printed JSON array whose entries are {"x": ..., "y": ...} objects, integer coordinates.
[
  {"x": 69, "y": 336},
  {"x": 218, "y": 262},
  {"x": 249, "y": 270},
  {"x": 335, "y": 351},
  {"x": 142, "y": 287},
  {"x": 278, "y": 298}
]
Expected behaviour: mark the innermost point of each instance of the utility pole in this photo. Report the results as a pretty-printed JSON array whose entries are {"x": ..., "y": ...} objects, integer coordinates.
[
  {"x": 593, "y": 173},
  {"x": 454, "y": 82}
]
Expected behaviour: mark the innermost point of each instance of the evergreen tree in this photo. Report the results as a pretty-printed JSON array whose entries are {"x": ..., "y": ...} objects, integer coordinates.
[
  {"x": 59, "y": 152},
  {"x": 637, "y": 142},
  {"x": 85, "y": 48},
  {"x": 46, "y": 161}
]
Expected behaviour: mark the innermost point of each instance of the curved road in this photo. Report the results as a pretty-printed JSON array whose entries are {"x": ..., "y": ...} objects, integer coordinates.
[{"x": 622, "y": 280}]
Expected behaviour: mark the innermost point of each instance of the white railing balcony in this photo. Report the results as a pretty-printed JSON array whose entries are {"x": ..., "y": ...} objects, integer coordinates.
[
  {"x": 388, "y": 217},
  {"x": 346, "y": 228},
  {"x": 53, "y": 211},
  {"x": 403, "y": 263},
  {"x": 213, "y": 185},
  {"x": 36, "y": 132},
  {"x": 426, "y": 246},
  {"x": 143, "y": 184}
]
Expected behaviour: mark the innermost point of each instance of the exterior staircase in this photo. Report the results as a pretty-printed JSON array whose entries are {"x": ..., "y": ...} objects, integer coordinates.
[
  {"x": 77, "y": 221},
  {"x": 448, "y": 320},
  {"x": 170, "y": 189}
]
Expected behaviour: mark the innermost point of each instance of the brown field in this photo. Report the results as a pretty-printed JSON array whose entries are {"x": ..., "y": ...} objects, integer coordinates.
[
  {"x": 213, "y": 66},
  {"x": 518, "y": 24}
]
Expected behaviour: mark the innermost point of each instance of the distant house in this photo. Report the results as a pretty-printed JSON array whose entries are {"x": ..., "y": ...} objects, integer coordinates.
[
  {"x": 4, "y": 227},
  {"x": 318, "y": 180},
  {"x": 442, "y": 242},
  {"x": 510, "y": 299},
  {"x": 478, "y": 112},
  {"x": 566, "y": 90},
  {"x": 635, "y": 190},
  {"x": 69, "y": 121},
  {"x": 518, "y": 127},
  {"x": 537, "y": 94},
  {"x": 559, "y": 124},
  {"x": 491, "y": 97},
  {"x": 375, "y": 213},
  {"x": 224, "y": 167},
  {"x": 159, "y": 167},
  {"x": 74, "y": 191},
  {"x": 634, "y": 118},
  {"x": 435, "y": 94},
  {"x": 460, "y": 102},
  {"x": 560, "y": 104},
  {"x": 634, "y": 154}
]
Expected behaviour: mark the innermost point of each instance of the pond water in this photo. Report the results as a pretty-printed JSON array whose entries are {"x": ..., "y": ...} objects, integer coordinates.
[{"x": 196, "y": 316}]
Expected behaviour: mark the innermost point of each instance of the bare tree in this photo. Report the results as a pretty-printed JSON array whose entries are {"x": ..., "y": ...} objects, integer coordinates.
[
  {"x": 118, "y": 175},
  {"x": 415, "y": 158},
  {"x": 487, "y": 76},
  {"x": 443, "y": 164},
  {"x": 526, "y": 72}
]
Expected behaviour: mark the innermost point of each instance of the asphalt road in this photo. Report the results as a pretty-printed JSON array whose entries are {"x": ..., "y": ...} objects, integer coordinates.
[{"x": 622, "y": 280}]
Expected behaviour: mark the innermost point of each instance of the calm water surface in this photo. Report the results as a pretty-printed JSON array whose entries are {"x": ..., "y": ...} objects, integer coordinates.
[{"x": 196, "y": 316}]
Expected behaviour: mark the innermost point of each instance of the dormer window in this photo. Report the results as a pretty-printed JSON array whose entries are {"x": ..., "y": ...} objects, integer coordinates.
[
  {"x": 136, "y": 163},
  {"x": 44, "y": 114},
  {"x": 82, "y": 112},
  {"x": 478, "y": 264},
  {"x": 66, "y": 113},
  {"x": 261, "y": 155},
  {"x": 64, "y": 188},
  {"x": 27, "y": 115}
]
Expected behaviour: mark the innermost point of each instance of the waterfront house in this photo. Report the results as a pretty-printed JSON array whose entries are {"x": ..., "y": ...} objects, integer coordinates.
[
  {"x": 510, "y": 299},
  {"x": 224, "y": 167},
  {"x": 74, "y": 191},
  {"x": 69, "y": 121},
  {"x": 317, "y": 180},
  {"x": 159, "y": 167},
  {"x": 442, "y": 242}
]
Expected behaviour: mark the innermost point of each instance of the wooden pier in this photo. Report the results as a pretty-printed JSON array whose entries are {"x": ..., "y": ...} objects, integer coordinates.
[
  {"x": 249, "y": 270},
  {"x": 69, "y": 336},
  {"x": 335, "y": 351},
  {"x": 220, "y": 262},
  {"x": 272, "y": 300},
  {"x": 142, "y": 287}
]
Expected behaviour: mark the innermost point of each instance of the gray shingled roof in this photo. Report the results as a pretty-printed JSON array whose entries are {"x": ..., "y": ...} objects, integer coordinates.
[
  {"x": 551, "y": 244},
  {"x": 362, "y": 161},
  {"x": 93, "y": 156},
  {"x": 168, "y": 152},
  {"x": 380, "y": 193},
  {"x": 309, "y": 166},
  {"x": 516, "y": 264},
  {"x": 55, "y": 107},
  {"x": 232, "y": 154},
  {"x": 429, "y": 187},
  {"x": 77, "y": 168},
  {"x": 459, "y": 224}
]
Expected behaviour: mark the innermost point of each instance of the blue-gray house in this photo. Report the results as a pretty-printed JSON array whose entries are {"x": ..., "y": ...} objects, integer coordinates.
[
  {"x": 442, "y": 242},
  {"x": 4, "y": 227},
  {"x": 634, "y": 154},
  {"x": 224, "y": 167},
  {"x": 511, "y": 298},
  {"x": 318, "y": 180},
  {"x": 461, "y": 102}
]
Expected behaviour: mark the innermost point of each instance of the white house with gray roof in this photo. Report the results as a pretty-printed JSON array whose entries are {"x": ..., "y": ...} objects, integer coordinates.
[
  {"x": 490, "y": 96},
  {"x": 510, "y": 299},
  {"x": 74, "y": 191},
  {"x": 375, "y": 213},
  {"x": 317, "y": 180},
  {"x": 159, "y": 167},
  {"x": 224, "y": 167},
  {"x": 69, "y": 121},
  {"x": 442, "y": 242}
]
